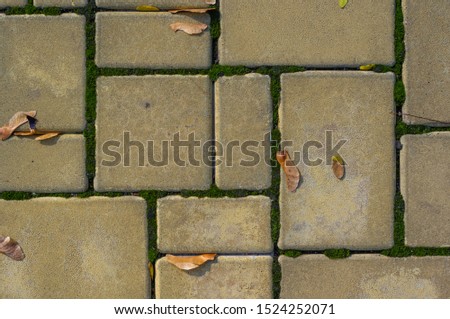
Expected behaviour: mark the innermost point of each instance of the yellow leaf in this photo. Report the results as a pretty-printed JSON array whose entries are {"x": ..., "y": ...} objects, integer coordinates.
[
  {"x": 367, "y": 67},
  {"x": 338, "y": 167},
  {"x": 189, "y": 28},
  {"x": 152, "y": 270},
  {"x": 343, "y": 3},
  {"x": 292, "y": 172},
  {"x": 147, "y": 8},
  {"x": 189, "y": 262}
]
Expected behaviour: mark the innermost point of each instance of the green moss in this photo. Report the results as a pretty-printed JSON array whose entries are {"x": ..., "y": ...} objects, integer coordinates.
[
  {"x": 291, "y": 253},
  {"x": 337, "y": 253}
]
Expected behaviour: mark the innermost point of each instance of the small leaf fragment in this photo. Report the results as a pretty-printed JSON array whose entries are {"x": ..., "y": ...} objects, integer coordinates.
[
  {"x": 11, "y": 248},
  {"x": 47, "y": 136},
  {"x": 146, "y": 8},
  {"x": 367, "y": 67},
  {"x": 189, "y": 28},
  {"x": 292, "y": 172},
  {"x": 151, "y": 270},
  {"x": 189, "y": 262},
  {"x": 338, "y": 167},
  {"x": 204, "y": 10},
  {"x": 210, "y": 1},
  {"x": 343, "y": 3}
]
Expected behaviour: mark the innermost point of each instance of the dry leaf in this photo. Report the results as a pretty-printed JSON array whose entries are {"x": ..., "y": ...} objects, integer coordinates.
[
  {"x": 152, "y": 270},
  {"x": 292, "y": 172},
  {"x": 367, "y": 67},
  {"x": 147, "y": 8},
  {"x": 47, "y": 136},
  {"x": 343, "y": 3},
  {"x": 189, "y": 262},
  {"x": 210, "y": 1},
  {"x": 11, "y": 248},
  {"x": 338, "y": 166},
  {"x": 189, "y": 28},
  {"x": 191, "y": 10},
  {"x": 17, "y": 120}
]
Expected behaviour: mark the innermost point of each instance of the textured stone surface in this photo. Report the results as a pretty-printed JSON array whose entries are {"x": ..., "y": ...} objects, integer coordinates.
[
  {"x": 425, "y": 185},
  {"x": 356, "y": 212},
  {"x": 152, "y": 108},
  {"x": 60, "y": 3},
  {"x": 161, "y": 4},
  {"x": 13, "y": 3},
  {"x": 214, "y": 225},
  {"x": 365, "y": 276},
  {"x": 76, "y": 248},
  {"x": 426, "y": 71},
  {"x": 228, "y": 277},
  {"x": 143, "y": 39},
  {"x": 306, "y": 32},
  {"x": 42, "y": 67},
  {"x": 243, "y": 125},
  {"x": 55, "y": 165}
]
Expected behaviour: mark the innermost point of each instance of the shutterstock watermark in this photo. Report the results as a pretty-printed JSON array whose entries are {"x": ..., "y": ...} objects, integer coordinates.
[{"x": 192, "y": 151}]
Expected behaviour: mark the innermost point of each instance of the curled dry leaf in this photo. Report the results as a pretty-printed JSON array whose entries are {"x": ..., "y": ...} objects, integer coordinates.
[
  {"x": 46, "y": 136},
  {"x": 17, "y": 120},
  {"x": 338, "y": 166},
  {"x": 151, "y": 269},
  {"x": 191, "y": 10},
  {"x": 189, "y": 28},
  {"x": 190, "y": 262},
  {"x": 11, "y": 248},
  {"x": 292, "y": 172},
  {"x": 343, "y": 3},
  {"x": 147, "y": 8},
  {"x": 367, "y": 67}
]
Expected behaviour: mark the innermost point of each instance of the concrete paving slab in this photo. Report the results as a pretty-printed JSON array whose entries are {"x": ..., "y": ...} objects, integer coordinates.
[
  {"x": 161, "y": 4},
  {"x": 60, "y": 3},
  {"x": 12, "y": 3}
]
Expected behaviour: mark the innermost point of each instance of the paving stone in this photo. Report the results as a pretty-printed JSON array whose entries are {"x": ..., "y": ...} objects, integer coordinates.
[
  {"x": 356, "y": 212},
  {"x": 243, "y": 125},
  {"x": 161, "y": 4},
  {"x": 135, "y": 111},
  {"x": 42, "y": 63},
  {"x": 216, "y": 225},
  {"x": 426, "y": 71},
  {"x": 306, "y": 32},
  {"x": 227, "y": 277},
  {"x": 365, "y": 276},
  {"x": 50, "y": 166},
  {"x": 61, "y": 3},
  {"x": 425, "y": 185},
  {"x": 145, "y": 40},
  {"x": 76, "y": 248},
  {"x": 12, "y": 3}
]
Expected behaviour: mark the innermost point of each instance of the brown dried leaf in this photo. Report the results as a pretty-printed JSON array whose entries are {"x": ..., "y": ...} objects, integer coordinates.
[
  {"x": 189, "y": 28},
  {"x": 17, "y": 120},
  {"x": 338, "y": 167},
  {"x": 292, "y": 172},
  {"x": 11, "y": 248},
  {"x": 47, "y": 136},
  {"x": 204, "y": 10},
  {"x": 190, "y": 262}
]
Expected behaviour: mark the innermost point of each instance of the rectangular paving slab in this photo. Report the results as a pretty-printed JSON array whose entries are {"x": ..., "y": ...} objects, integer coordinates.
[
  {"x": 146, "y": 40},
  {"x": 60, "y": 3},
  {"x": 365, "y": 277},
  {"x": 12, "y": 3},
  {"x": 42, "y": 63},
  {"x": 50, "y": 166},
  {"x": 76, "y": 248},
  {"x": 306, "y": 32},
  {"x": 243, "y": 124},
  {"x": 425, "y": 186},
  {"x": 161, "y": 4},
  {"x": 214, "y": 225},
  {"x": 426, "y": 71},
  {"x": 227, "y": 277},
  {"x": 349, "y": 114},
  {"x": 151, "y": 131}
]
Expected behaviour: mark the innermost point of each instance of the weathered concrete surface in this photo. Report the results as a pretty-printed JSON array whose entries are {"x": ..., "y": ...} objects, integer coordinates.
[
  {"x": 214, "y": 225},
  {"x": 76, "y": 248},
  {"x": 227, "y": 277},
  {"x": 152, "y": 109},
  {"x": 12, "y": 3},
  {"x": 42, "y": 63},
  {"x": 306, "y": 32},
  {"x": 145, "y": 39},
  {"x": 56, "y": 165},
  {"x": 60, "y": 3},
  {"x": 425, "y": 185},
  {"x": 356, "y": 212},
  {"x": 365, "y": 277},
  {"x": 243, "y": 125},
  {"x": 161, "y": 4},
  {"x": 426, "y": 71}
]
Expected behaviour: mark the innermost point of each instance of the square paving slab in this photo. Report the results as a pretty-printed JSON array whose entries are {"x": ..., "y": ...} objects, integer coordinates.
[
  {"x": 76, "y": 248},
  {"x": 42, "y": 68},
  {"x": 365, "y": 277},
  {"x": 227, "y": 277},
  {"x": 243, "y": 124},
  {"x": 142, "y": 125},
  {"x": 161, "y": 4},
  {"x": 426, "y": 70},
  {"x": 306, "y": 32},
  {"x": 214, "y": 225},
  {"x": 425, "y": 186},
  {"x": 146, "y": 40},
  {"x": 60, "y": 3},
  {"x": 350, "y": 114},
  {"x": 12, "y": 3}
]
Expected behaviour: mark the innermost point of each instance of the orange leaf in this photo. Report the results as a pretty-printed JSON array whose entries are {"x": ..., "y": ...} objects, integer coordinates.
[
  {"x": 11, "y": 248},
  {"x": 292, "y": 172},
  {"x": 190, "y": 262},
  {"x": 204, "y": 10},
  {"x": 17, "y": 120},
  {"x": 46, "y": 136},
  {"x": 338, "y": 167},
  {"x": 189, "y": 28}
]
